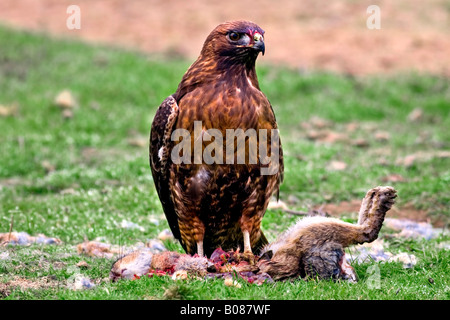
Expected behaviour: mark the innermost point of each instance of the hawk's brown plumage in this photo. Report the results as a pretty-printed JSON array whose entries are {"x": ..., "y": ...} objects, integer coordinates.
[{"x": 216, "y": 205}]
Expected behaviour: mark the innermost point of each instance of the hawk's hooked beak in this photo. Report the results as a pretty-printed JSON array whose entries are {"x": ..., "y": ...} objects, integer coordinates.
[{"x": 257, "y": 42}]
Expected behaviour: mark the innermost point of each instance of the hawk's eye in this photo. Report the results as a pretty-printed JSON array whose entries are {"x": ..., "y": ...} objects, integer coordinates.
[{"x": 234, "y": 36}]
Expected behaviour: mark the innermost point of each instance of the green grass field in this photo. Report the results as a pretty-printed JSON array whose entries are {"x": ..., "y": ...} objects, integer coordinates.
[{"x": 77, "y": 178}]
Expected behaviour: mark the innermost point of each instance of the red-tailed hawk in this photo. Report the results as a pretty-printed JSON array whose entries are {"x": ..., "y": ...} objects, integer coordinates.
[{"x": 215, "y": 192}]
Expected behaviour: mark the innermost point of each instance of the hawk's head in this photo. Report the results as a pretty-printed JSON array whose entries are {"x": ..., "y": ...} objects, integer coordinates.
[
  {"x": 230, "y": 48},
  {"x": 238, "y": 40}
]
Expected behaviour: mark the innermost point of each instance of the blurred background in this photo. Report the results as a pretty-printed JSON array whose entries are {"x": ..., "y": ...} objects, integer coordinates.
[
  {"x": 356, "y": 107},
  {"x": 330, "y": 35}
]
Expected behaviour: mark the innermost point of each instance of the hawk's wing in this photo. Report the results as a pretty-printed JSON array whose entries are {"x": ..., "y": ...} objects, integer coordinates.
[{"x": 160, "y": 162}]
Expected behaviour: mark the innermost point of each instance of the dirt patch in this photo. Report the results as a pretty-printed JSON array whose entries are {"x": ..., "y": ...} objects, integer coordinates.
[
  {"x": 338, "y": 209},
  {"x": 303, "y": 34},
  {"x": 27, "y": 284},
  {"x": 406, "y": 211},
  {"x": 13, "y": 182}
]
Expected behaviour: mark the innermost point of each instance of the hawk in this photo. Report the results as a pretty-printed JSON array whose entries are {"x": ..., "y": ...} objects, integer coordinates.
[{"x": 220, "y": 203}]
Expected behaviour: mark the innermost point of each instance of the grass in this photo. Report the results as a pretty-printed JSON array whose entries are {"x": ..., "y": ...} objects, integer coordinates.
[{"x": 99, "y": 178}]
